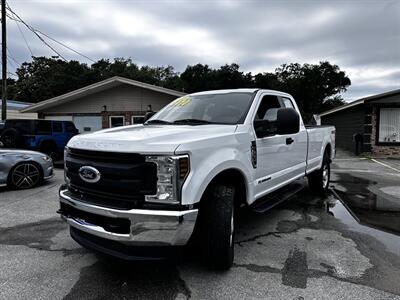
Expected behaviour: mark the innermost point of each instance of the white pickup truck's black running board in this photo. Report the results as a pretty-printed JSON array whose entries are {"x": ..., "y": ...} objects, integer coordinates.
[{"x": 265, "y": 203}]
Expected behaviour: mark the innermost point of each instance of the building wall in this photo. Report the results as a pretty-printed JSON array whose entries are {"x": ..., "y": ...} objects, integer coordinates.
[
  {"x": 15, "y": 114},
  {"x": 348, "y": 122},
  {"x": 382, "y": 150},
  {"x": 120, "y": 98}
]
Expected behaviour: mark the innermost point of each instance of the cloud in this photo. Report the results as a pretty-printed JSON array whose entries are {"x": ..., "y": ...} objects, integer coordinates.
[{"x": 362, "y": 37}]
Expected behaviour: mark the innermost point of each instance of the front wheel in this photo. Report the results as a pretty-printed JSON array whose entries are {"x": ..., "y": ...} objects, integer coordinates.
[
  {"x": 25, "y": 176},
  {"x": 318, "y": 180},
  {"x": 218, "y": 227}
]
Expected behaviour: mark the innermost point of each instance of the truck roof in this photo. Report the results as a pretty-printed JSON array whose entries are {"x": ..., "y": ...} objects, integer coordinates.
[{"x": 244, "y": 90}]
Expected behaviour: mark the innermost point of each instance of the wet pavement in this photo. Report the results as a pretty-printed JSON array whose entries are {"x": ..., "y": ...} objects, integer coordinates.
[{"x": 342, "y": 246}]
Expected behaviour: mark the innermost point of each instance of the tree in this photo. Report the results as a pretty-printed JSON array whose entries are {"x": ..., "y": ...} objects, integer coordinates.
[
  {"x": 310, "y": 84},
  {"x": 198, "y": 78},
  {"x": 316, "y": 87},
  {"x": 45, "y": 78}
]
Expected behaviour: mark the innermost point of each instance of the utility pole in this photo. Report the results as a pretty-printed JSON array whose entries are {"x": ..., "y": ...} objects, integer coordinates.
[{"x": 3, "y": 61}]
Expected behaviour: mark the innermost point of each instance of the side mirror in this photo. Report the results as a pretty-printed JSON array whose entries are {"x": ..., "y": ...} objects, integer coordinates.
[
  {"x": 149, "y": 115},
  {"x": 288, "y": 121}
]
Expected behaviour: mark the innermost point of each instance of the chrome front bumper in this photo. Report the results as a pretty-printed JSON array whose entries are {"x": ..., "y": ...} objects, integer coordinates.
[{"x": 147, "y": 227}]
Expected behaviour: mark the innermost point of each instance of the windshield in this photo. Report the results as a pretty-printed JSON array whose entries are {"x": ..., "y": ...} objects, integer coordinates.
[{"x": 227, "y": 108}]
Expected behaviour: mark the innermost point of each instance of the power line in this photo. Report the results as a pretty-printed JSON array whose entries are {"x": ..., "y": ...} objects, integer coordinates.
[
  {"x": 10, "y": 61},
  {"x": 66, "y": 46},
  {"x": 10, "y": 56},
  {"x": 23, "y": 36},
  {"x": 32, "y": 29},
  {"x": 12, "y": 74},
  {"x": 37, "y": 31}
]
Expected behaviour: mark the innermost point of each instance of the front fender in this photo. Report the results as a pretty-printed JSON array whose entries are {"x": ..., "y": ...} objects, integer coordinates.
[{"x": 205, "y": 166}]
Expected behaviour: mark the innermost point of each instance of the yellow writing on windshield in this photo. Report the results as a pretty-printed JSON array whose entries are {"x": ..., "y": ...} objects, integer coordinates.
[{"x": 182, "y": 101}]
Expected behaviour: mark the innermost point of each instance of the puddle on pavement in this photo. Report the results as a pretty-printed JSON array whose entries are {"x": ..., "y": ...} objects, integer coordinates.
[{"x": 376, "y": 214}]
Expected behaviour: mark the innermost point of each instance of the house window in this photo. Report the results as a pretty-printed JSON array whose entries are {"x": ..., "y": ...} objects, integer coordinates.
[
  {"x": 116, "y": 121},
  {"x": 137, "y": 119},
  {"x": 389, "y": 125}
]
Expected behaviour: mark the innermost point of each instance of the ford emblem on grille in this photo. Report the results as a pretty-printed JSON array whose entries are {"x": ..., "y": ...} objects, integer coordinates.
[{"x": 89, "y": 174}]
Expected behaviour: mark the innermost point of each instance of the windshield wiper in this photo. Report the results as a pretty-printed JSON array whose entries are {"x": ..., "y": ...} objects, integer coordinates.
[
  {"x": 192, "y": 122},
  {"x": 157, "y": 121}
]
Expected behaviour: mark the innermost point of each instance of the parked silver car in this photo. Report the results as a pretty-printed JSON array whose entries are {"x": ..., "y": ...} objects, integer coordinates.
[{"x": 24, "y": 169}]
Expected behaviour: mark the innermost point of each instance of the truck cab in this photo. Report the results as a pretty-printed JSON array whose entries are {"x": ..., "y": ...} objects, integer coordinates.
[{"x": 183, "y": 174}]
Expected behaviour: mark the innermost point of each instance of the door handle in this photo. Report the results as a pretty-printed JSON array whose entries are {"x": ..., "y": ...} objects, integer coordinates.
[{"x": 289, "y": 141}]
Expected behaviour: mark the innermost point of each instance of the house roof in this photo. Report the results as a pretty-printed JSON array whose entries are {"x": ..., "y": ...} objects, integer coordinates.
[
  {"x": 98, "y": 87},
  {"x": 360, "y": 101},
  {"x": 15, "y": 105}
]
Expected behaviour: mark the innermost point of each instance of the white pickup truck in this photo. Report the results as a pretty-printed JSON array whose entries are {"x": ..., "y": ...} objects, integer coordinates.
[{"x": 182, "y": 175}]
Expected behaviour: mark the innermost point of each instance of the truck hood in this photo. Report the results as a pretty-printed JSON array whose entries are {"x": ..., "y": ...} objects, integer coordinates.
[{"x": 156, "y": 139}]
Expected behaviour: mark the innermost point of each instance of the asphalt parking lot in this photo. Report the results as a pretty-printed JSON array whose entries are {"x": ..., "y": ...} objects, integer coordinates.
[{"x": 306, "y": 248}]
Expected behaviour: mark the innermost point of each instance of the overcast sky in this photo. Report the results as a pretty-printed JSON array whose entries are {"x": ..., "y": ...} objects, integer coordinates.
[{"x": 362, "y": 37}]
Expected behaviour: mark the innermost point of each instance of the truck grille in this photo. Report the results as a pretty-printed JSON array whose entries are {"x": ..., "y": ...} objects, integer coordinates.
[{"x": 125, "y": 178}]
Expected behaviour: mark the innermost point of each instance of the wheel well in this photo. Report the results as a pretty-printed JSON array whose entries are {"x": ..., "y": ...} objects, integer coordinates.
[
  {"x": 40, "y": 168},
  {"x": 328, "y": 150},
  {"x": 235, "y": 177}
]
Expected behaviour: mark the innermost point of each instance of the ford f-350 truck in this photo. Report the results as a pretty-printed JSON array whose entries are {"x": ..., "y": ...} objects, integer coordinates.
[{"x": 183, "y": 174}]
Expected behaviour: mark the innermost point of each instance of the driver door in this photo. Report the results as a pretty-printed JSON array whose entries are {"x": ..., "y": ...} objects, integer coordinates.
[{"x": 280, "y": 158}]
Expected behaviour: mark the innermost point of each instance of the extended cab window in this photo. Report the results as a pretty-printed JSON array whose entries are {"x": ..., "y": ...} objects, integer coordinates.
[{"x": 287, "y": 102}]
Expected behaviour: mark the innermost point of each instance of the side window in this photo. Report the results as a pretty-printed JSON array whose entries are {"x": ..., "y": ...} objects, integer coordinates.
[
  {"x": 70, "y": 127},
  {"x": 23, "y": 126},
  {"x": 268, "y": 108},
  {"x": 57, "y": 126},
  {"x": 265, "y": 120},
  {"x": 43, "y": 127},
  {"x": 287, "y": 102}
]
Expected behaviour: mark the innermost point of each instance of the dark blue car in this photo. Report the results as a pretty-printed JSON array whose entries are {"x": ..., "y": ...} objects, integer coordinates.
[{"x": 43, "y": 135}]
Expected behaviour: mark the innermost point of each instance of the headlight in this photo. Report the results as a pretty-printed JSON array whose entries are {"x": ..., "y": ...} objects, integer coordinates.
[
  {"x": 171, "y": 173},
  {"x": 46, "y": 158}
]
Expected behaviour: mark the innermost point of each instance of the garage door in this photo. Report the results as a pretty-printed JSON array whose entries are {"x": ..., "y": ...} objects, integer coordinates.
[{"x": 87, "y": 123}]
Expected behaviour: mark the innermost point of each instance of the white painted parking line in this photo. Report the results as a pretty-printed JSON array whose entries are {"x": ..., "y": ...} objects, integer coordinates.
[{"x": 385, "y": 165}]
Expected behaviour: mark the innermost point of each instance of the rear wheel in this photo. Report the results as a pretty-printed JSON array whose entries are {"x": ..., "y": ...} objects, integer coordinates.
[
  {"x": 318, "y": 180},
  {"x": 25, "y": 175},
  {"x": 218, "y": 229},
  {"x": 11, "y": 138}
]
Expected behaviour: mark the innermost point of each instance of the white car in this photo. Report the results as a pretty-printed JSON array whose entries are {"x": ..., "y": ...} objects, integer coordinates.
[{"x": 184, "y": 172}]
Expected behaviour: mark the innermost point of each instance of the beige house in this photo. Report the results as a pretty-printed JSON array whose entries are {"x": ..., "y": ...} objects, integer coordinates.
[
  {"x": 14, "y": 108},
  {"x": 112, "y": 102}
]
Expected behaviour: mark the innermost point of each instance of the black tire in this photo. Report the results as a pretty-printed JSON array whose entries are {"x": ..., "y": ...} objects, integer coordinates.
[
  {"x": 32, "y": 172},
  {"x": 11, "y": 138},
  {"x": 217, "y": 223},
  {"x": 319, "y": 180}
]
